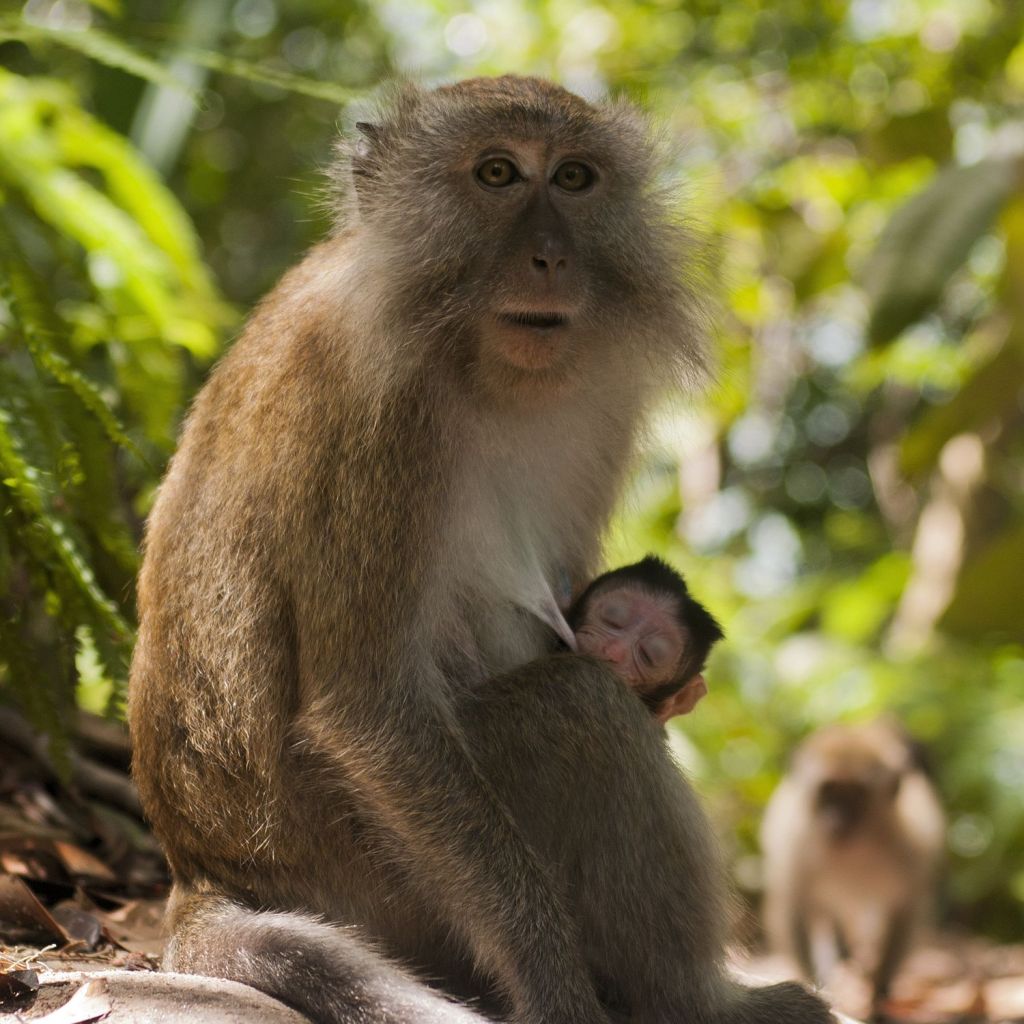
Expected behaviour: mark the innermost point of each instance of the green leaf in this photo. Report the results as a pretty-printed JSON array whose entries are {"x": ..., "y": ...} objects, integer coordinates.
[
  {"x": 137, "y": 274},
  {"x": 98, "y": 46},
  {"x": 994, "y": 388},
  {"x": 112, "y": 7},
  {"x": 85, "y": 142},
  {"x": 990, "y": 592},
  {"x": 855, "y": 609},
  {"x": 928, "y": 239},
  {"x": 115, "y": 53},
  {"x": 266, "y": 75}
]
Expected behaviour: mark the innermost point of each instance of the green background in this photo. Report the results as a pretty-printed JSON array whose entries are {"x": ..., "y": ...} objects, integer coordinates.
[{"x": 847, "y": 498}]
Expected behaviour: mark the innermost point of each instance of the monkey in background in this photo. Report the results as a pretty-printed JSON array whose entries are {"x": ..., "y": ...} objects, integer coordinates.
[
  {"x": 852, "y": 841},
  {"x": 643, "y": 622},
  {"x": 354, "y": 746}
]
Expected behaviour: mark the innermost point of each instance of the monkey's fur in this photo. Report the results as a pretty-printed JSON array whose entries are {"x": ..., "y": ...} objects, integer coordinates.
[
  {"x": 326, "y": 738},
  {"x": 852, "y": 841}
]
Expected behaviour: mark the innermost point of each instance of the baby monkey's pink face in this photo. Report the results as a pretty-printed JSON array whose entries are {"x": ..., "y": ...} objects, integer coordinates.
[{"x": 638, "y": 633}]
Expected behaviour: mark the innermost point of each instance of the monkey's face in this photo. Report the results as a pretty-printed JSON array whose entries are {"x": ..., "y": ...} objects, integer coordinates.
[
  {"x": 636, "y": 632},
  {"x": 853, "y": 774},
  {"x": 523, "y": 230},
  {"x": 539, "y": 193},
  {"x": 845, "y": 805}
]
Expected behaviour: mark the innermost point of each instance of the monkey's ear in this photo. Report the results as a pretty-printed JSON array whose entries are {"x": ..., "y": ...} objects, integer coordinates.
[
  {"x": 366, "y": 152},
  {"x": 368, "y": 130}
]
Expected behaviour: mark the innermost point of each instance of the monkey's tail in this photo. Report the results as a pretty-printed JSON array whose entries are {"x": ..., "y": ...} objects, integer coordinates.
[
  {"x": 323, "y": 971},
  {"x": 786, "y": 1003}
]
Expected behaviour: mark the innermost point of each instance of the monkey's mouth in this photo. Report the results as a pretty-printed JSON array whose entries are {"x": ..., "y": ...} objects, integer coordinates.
[
  {"x": 538, "y": 321},
  {"x": 530, "y": 339}
]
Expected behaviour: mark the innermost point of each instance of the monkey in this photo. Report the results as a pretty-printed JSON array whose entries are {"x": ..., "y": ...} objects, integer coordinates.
[
  {"x": 364, "y": 761},
  {"x": 642, "y": 620},
  {"x": 852, "y": 841}
]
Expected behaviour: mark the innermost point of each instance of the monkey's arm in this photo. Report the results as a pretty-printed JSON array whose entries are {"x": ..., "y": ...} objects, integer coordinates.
[{"x": 404, "y": 751}]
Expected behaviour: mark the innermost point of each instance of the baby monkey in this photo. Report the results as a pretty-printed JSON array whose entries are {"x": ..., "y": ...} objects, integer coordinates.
[{"x": 643, "y": 621}]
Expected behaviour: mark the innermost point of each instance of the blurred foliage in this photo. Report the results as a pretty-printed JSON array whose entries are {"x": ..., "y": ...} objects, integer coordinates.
[
  {"x": 109, "y": 316},
  {"x": 848, "y": 498},
  {"x": 105, "y": 300}
]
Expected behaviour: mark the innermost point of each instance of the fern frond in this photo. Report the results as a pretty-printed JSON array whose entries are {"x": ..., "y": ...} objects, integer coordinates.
[
  {"x": 36, "y": 699},
  {"x": 20, "y": 661},
  {"x": 23, "y": 483},
  {"x": 17, "y": 290},
  {"x": 74, "y": 612}
]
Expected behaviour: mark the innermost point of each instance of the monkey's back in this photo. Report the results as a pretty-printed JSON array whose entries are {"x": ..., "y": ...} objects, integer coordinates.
[{"x": 215, "y": 680}]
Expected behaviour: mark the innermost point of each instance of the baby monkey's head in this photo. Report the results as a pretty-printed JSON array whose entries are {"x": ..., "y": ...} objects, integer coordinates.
[{"x": 643, "y": 621}]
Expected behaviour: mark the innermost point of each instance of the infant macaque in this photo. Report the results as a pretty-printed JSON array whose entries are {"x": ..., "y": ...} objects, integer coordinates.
[{"x": 644, "y": 623}]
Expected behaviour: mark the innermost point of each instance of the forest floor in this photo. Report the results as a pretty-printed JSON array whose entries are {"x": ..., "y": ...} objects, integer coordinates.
[{"x": 83, "y": 886}]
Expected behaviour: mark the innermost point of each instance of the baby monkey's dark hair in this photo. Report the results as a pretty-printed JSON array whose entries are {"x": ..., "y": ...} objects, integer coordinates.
[{"x": 701, "y": 629}]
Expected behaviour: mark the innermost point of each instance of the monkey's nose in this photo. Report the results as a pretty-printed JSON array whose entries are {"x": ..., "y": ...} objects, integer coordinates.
[
  {"x": 614, "y": 651},
  {"x": 549, "y": 258},
  {"x": 548, "y": 267}
]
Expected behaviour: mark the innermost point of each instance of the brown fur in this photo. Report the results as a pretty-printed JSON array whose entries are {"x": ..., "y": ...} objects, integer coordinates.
[
  {"x": 852, "y": 840},
  {"x": 327, "y": 595}
]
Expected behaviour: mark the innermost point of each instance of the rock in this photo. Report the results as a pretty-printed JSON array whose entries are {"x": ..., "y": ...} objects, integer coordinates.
[{"x": 144, "y": 997}]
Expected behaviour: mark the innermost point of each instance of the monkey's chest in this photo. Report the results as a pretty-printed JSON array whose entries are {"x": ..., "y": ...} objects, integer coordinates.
[
  {"x": 860, "y": 877},
  {"x": 503, "y": 573}
]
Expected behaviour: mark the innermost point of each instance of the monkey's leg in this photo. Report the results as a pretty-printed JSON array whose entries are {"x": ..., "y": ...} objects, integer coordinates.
[
  {"x": 801, "y": 943},
  {"x": 585, "y": 773},
  {"x": 323, "y": 971},
  {"x": 825, "y": 945},
  {"x": 893, "y": 949}
]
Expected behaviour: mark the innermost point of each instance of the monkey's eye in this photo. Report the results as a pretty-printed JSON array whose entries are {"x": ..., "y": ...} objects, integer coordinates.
[
  {"x": 614, "y": 613},
  {"x": 572, "y": 176},
  {"x": 497, "y": 172}
]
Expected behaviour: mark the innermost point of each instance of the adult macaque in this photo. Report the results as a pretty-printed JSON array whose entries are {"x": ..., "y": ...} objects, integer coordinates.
[
  {"x": 643, "y": 622},
  {"x": 852, "y": 840},
  {"x": 424, "y": 426}
]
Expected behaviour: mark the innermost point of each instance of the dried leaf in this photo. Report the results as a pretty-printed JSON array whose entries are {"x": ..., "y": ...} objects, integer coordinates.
[
  {"x": 91, "y": 1002},
  {"x": 82, "y": 926},
  {"x": 18, "y": 990},
  {"x": 23, "y": 917},
  {"x": 81, "y": 864},
  {"x": 138, "y": 926},
  {"x": 31, "y": 858}
]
